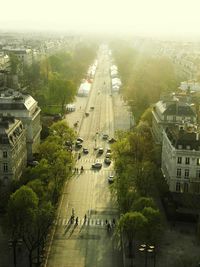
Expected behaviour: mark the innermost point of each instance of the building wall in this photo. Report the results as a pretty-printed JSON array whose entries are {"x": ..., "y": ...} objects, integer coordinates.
[
  {"x": 181, "y": 168},
  {"x": 13, "y": 158}
]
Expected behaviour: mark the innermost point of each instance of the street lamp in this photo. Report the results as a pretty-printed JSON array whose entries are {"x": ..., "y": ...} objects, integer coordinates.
[
  {"x": 14, "y": 243},
  {"x": 148, "y": 249}
]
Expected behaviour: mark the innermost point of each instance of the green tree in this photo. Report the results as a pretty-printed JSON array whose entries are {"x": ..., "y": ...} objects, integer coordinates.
[
  {"x": 21, "y": 215},
  {"x": 61, "y": 92},
  {"x": 132, "y": 225},
  {"x": 153, "y": 229}
]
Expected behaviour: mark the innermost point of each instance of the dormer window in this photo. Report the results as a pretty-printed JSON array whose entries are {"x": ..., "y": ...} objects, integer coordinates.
[
  {"x": 188, "y": 147},
  {"x": 180, "y": 146}
]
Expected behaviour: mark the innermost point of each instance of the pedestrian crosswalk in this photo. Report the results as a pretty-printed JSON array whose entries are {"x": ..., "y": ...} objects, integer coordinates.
[
  {"x": 88, "y": 222},
  {"x": 88, "y": 171}
]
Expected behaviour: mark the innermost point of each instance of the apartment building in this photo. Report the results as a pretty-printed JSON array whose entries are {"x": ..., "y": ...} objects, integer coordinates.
[
  {"x": 172, "y": 110},
  {"x": 13, "y": 152},
  {"x": 181, "y": 158},
  {"x": 25, "y": 108}
]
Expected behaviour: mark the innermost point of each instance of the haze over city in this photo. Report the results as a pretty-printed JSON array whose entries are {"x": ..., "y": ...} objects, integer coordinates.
[{"x": 155, "y": 17}]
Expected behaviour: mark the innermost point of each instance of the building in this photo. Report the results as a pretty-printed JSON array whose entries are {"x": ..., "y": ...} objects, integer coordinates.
[
  {"x": 181, "y": 158},
  {"x": 25, "y": 108},
  {"x": 13, "y": 153},
  {"x": 172, "y": 110}
]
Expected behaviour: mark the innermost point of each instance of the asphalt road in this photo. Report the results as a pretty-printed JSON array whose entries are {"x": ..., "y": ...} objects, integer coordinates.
[{"x": 89, "y": 244}]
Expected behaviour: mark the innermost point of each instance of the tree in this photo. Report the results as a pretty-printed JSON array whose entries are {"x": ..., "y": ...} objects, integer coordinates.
[
  {"x": 62, "y": 130},
  {"x": 143, "y": 202},
  {"x": 21, "y": 215},
  {"x": 61, "y": 92},
  {"x": 132, "y": 225},
  {"x": 152, "y": 231}
]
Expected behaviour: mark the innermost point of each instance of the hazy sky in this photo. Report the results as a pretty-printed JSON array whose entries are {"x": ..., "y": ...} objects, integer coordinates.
[{"x": 181, "y": 17}]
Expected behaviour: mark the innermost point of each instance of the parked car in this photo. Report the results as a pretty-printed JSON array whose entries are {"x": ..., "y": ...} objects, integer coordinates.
[
  {"x": 97, "y": 165},
  {"x": 105, "y": 136},
  {"x": 111, "y": 179},
  {"x": 107, "y": 161},
  {"x": 108, "y": 150},
  {"x": 100, "y": 151},
  {"x": 92, "y": 108},
  {"x": 85, "y": 150}
]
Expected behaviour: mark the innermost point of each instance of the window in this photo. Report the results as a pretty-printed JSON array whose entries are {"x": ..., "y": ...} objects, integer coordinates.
[
  {"x": 197, "y": 174},
  {"x": 5, "y": 154},
  {"x": 188, "y": 147},
  {"x": 186, "y": 173},
  {"x": 187, "y": 160},
  {"x": 178, "y": 173},
  {"x": 178, "y": 187},
  {"x": 179, "y": 160},
  {"x": 198, "y": 161},
  {"x": 185, "y": 188},
  {"x": 179, "y": 146},
  {"x": 5, "y": 167}
]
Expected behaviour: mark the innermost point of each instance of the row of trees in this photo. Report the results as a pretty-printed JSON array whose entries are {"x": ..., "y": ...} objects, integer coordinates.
[
  {"x": 31, "y": 207},
  {"x": 144, "y": 77},
  {"x": 55, "y": 79},
  {"x": 136, "y": 186}
]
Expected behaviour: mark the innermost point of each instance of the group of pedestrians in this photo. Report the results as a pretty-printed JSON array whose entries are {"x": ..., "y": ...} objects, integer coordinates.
[{"x": 109, "y": 224}]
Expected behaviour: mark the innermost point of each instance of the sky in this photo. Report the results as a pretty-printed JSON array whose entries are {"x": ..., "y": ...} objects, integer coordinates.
[{"x": 145, "y": 17}]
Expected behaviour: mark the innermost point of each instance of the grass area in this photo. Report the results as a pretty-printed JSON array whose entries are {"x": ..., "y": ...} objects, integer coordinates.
[{"x": 51, "y": 110}]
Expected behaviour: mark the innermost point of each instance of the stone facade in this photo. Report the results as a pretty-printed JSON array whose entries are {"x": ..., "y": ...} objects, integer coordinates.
[
  {"x": 13, "y": 152},
  {"x": 181, "y": 159},
  {"x": 25, "y": 108},
  {"x": 171, "y": 111}
]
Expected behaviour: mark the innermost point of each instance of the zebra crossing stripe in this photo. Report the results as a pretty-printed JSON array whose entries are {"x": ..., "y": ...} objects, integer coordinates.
[{"x": 87, "y": 222}]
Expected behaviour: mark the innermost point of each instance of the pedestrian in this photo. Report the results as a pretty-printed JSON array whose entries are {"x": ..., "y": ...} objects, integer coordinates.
[
  {"x": 106, "y": 221},
  {"x": 109, "y": 227},
  {"x": 113, "y": 222},
  {"x": 85, "y": 218},
  {"x": 72, "y": 211},
  {"x": 72, "y": 219},
  {"x": 76, "y": 220}
]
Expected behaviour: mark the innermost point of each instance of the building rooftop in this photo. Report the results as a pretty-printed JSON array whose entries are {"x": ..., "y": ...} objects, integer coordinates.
[
  {"x": 184, "y": 137},
  {"x": 11, "y": 99}
]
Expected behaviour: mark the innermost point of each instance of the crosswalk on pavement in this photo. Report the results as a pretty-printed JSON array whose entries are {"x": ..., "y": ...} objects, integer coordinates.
[{"x": 87, "y": 222}]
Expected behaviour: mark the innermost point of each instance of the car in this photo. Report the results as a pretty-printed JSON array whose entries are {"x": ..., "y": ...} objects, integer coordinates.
[
  {"x": 100, "y": 151},
  {"x": 112, "y": 140},
  {"x": 111, "y": 179},
  {"x": 87, "y": 114},
  {"x": 78, "y": 144},
  {"x": 108, "y": 150},
  {"x": 85, "y": 150},
  {"x": 108, "y": 155},
  {"x": 107, "y": 160},
  {"x": 80, "y": 139},
  {"x": 97, "y": 165},
  {"x": 92, "y": 108},
  {"x": 105, "y": 136}
]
